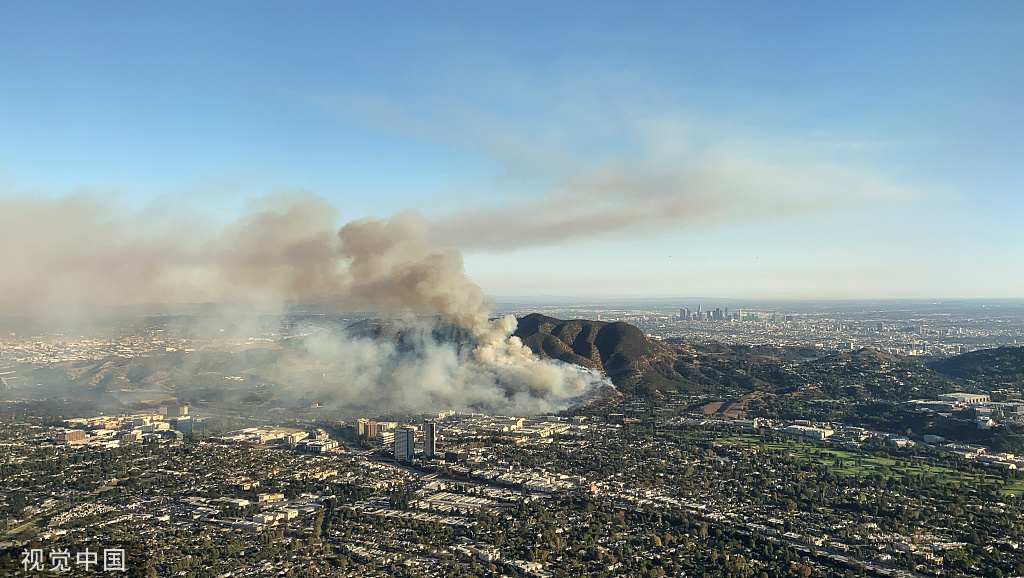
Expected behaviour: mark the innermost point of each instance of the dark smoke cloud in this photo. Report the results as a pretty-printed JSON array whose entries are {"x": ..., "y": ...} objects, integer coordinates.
[{"x": 392, "y": 265}]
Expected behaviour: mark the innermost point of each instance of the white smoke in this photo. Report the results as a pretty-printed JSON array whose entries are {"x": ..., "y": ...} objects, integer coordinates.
[{"x": 425, "y": 373}]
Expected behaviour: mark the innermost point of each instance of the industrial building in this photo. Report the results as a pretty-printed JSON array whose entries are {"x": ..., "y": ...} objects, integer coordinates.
[{"x": 967, "y": 398}]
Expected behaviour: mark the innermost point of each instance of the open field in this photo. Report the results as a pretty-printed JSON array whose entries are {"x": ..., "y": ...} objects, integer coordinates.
[
  {"x": 853, "y": 463},
  {"x": 25, "y": 529}
]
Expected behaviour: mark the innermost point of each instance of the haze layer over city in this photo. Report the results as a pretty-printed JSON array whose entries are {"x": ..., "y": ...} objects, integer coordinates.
[{"x": 511, "y": 289}]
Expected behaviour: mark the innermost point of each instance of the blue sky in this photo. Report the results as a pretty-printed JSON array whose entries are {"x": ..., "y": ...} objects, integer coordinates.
[{"x": 745, "y": 149}]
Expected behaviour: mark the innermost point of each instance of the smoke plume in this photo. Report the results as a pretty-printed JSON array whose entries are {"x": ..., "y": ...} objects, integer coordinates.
[
  {"x": 636, "y": 198},
  {"x": 418, "y": 372},
  {"x": 79, "y": 255},
  {"x": 604, "y": 167}
]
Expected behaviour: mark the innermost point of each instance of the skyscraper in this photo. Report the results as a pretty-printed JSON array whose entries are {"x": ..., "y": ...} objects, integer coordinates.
[
  {"x": 429, "y": 439},
  {"x": 405, "y": 444}
]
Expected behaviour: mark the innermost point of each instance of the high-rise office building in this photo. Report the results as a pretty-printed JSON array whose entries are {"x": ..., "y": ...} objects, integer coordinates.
[
  {"x": 429, "y": 439},
  {"x": 183, "y": 424},
  {"x": 405, "y": 444}
]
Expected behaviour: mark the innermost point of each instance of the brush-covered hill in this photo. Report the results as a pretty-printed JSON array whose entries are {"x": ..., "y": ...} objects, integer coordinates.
[
  {"x": 868, "y": 374},
  {"x": 638, "y": 364},
  {"x": 408, "y": 335},
  {"x": 994, "y": 368}
]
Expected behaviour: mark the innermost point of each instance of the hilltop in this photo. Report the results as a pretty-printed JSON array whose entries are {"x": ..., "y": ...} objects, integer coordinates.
[
  {"x": 993, "y": 368},
  {"x": 868, "y": 374},
  {"x": 638, "y": 364}
]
